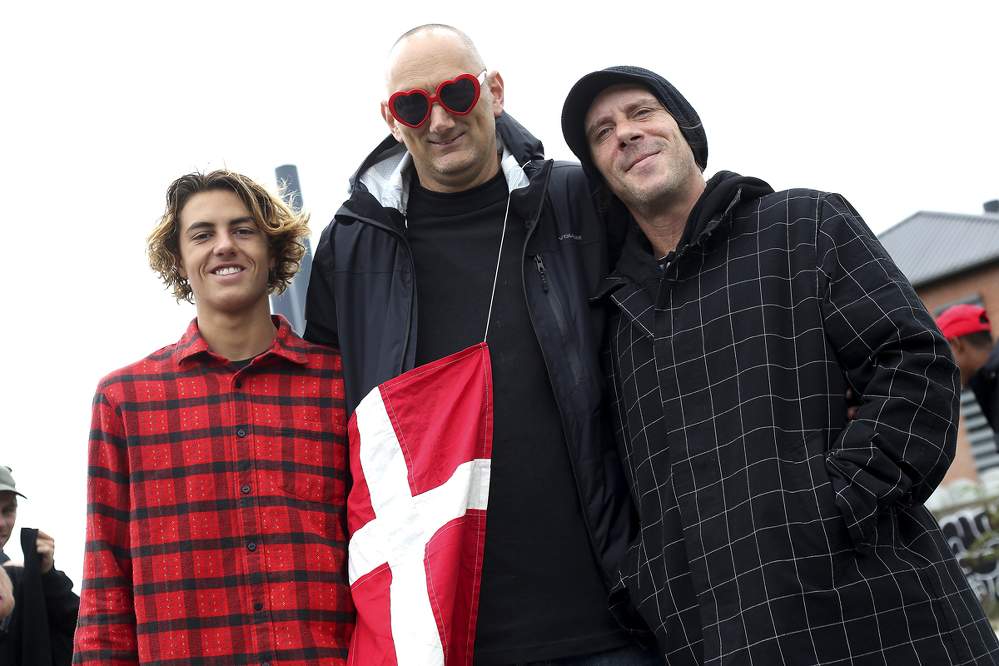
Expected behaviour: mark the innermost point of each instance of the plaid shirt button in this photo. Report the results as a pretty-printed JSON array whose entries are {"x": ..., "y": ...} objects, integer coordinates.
[
  {"x": 240, "y": 432},
  {"x": 245, "y": 489},
  {"x": 258, "y": 606},
  {"x": 251, "y": 546}
]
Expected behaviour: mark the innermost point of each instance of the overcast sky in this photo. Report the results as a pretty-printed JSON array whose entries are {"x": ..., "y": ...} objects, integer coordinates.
[{"x": 103, "y": 104}]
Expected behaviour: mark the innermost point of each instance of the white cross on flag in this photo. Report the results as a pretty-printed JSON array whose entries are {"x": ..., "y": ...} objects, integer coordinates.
[{"x": 420, "y": 447}]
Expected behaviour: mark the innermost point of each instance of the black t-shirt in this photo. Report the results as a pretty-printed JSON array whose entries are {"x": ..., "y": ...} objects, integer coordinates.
[{"x": 542, "y": 593}]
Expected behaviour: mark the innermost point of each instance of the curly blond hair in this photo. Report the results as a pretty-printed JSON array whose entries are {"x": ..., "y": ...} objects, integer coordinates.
[{"x": 283, "y": 227}]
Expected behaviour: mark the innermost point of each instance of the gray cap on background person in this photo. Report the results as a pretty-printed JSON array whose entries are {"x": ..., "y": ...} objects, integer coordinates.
[{"x": 7, "y": 481}]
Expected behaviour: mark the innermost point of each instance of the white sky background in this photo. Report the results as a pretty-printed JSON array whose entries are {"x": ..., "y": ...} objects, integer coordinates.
[{"x": 103, "y": 104}]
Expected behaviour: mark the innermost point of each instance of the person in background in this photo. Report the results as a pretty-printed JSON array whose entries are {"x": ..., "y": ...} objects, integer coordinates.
[
  {"x": 969, "y": 332},
  {"x": 38, "y": 608},
  {"x": 217, "y": 465},
  {"x": 774, "y": 529}
]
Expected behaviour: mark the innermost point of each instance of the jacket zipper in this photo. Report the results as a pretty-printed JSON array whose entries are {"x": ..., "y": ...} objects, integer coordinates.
[
  {"x": 541, "y": 271},
  {"x": 556, "y": 305},
  {"x": 412, "y": 297}
]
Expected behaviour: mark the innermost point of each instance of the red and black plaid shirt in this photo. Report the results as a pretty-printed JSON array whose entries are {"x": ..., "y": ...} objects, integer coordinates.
[{"x": 215, "y": 518}]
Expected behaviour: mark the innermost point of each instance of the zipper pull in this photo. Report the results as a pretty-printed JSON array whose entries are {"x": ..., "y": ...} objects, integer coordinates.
[{"x": 541, "y": 271}]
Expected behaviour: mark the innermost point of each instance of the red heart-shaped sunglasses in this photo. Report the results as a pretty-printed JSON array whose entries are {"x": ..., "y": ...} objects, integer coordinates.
[{"x": 458, "y": 97}]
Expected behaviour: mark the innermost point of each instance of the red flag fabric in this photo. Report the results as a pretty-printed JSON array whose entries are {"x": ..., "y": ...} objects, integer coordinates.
[{"x": 420, "y": 448}]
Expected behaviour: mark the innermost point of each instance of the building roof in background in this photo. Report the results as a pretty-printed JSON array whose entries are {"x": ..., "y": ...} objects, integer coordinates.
[{"x": 928, "y": 246}]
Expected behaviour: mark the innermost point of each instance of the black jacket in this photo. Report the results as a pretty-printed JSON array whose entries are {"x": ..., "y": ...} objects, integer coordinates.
[
  {"x": 804, "y": 533},
  {"x": 362, "y": 298},
  {"x": 40, "y": 630},
  {"x": 985, "y": 385}
]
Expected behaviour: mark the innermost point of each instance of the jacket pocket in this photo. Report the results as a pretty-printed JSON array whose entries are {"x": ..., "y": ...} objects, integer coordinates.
[
  {"x": 867, "y": 483},
  {"x": 565, "y": 325}
]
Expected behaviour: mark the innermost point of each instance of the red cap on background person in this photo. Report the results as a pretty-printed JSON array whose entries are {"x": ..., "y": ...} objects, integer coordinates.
[
  {"x": 964, "y": 319},
  {"x": 969, "y": 333}
]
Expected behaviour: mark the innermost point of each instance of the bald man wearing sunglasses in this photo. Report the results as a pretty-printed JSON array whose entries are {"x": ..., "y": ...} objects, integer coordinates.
[{"x": 457, "y": 198}]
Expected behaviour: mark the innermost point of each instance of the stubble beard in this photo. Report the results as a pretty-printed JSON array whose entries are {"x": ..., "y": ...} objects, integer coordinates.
[{"x": 656, "y": 197}]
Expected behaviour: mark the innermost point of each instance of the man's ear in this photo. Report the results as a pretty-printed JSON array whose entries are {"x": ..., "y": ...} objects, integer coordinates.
[
  {"x": 957, "y": 345},
  {"x": 959, "y": 348},
  {"x": 391, "y": 122},
  {"x": 495, "y": 84}
]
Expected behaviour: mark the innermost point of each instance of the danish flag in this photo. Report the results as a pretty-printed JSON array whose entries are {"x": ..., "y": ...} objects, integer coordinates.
[{"x": 420, "y": 448}]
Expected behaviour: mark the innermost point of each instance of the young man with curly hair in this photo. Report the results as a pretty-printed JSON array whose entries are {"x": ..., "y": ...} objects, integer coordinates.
[{"x": 217, "y": 465}]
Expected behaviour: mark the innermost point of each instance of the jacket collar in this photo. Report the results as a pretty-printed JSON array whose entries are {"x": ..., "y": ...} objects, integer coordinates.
[
  {"x": 634, "y": 303},
  {"x": 636, "y": 265},
  {"x": 628, "y": 285},
  {"x": 384, "y": 173},
  {"x": 713, "y": 210},
  {"x": 722, "y": 193},
  {"x": 192, "y": 344}
]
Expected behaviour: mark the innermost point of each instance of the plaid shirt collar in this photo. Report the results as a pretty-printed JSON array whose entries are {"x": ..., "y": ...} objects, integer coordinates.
[{"x": 192, "y": 344}]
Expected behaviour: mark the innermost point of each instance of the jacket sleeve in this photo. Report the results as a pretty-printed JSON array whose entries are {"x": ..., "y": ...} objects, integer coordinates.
[
  {"x": 106, "y": 632},
  {"x": 320, "y": 303},
  {"x": 902, "y": 440},
  {"x": 62, "y": 606}
]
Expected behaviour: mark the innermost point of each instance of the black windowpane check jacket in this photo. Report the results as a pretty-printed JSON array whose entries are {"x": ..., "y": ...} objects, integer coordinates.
[{"x": 804, "y": 536}]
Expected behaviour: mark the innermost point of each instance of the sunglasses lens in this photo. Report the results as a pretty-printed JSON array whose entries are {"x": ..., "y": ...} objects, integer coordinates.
[
  {"x": 411, "y": 109},
  {"x": 459, "y": 96}
]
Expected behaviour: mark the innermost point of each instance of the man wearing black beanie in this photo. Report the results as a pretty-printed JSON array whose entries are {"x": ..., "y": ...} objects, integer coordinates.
[{"x": 773, "y": 529}]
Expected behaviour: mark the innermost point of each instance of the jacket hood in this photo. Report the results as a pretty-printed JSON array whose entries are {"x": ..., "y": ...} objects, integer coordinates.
[
  {"x": 721, "y": 194},
  {"x": 383, "y": 172}
]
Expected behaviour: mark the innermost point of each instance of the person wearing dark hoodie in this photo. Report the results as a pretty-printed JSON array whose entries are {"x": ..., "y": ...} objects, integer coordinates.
[
  {"x": 774, "y": 530},
  {"x": 403, "y": 276},
  {"x": 39, "y": 631}
]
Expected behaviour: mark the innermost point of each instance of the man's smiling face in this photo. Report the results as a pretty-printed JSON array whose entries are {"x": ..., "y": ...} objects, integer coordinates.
[
  {"x": 451, "y": 153},
  {"x": 224, "y": 255},
  {"x": 638, "y": 148}
]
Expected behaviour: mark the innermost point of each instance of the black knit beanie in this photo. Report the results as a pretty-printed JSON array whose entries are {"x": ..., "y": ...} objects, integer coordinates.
[{"x": 581, "y": 97}]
